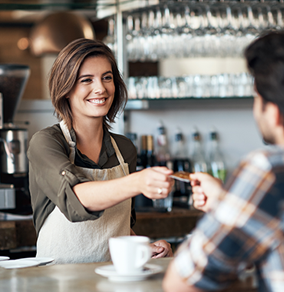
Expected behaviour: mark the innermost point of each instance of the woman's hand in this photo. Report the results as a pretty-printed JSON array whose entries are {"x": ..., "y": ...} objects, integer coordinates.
[
  {"x": 206, "y": 190},
  {"x": 161, "y": 249},
  {"x": 155, "y": 182}
]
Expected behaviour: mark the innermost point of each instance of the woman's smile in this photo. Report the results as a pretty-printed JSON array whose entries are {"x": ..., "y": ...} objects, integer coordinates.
[{"x": 97, "y": 101}]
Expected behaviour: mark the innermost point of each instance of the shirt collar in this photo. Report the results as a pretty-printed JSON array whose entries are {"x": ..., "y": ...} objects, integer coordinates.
[{"x": 107, "y": 147}]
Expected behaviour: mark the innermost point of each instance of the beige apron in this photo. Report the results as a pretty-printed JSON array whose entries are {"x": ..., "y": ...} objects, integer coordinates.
[{"x": 82, "y": 242}]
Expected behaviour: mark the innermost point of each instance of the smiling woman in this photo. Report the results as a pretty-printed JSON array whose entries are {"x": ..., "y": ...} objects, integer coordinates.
[{"x": 81, "y": 172}]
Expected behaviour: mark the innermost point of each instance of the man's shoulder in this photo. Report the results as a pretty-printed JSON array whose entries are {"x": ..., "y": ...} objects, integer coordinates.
[{"x": 272, "y": 156}]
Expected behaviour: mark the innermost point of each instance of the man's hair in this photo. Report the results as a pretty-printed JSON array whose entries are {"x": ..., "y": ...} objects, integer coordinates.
[
  {"x": 64, "y": 74},
  {"x": 265, "y": 61}
]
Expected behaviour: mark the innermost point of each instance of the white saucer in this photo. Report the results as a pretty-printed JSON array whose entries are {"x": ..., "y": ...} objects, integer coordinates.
[
  {"x": 110, "y": 272},
  {"x": 39, "y": 260},
  {"x": 4, "y": 258},
  {"x": 17, "y": 264}
]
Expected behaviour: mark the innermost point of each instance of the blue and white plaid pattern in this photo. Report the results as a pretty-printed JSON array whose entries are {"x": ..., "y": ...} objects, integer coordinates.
[{"x": 245, "y": 227}]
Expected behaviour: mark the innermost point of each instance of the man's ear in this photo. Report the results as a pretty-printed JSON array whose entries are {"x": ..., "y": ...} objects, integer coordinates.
[{"x": 274, "y": 115}]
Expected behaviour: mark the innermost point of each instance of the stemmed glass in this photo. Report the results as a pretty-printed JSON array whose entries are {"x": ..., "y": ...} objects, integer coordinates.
[
  {"x": 186, "y": 33},
  {"x": 167, "y": 32},
  {"x": 110, "y": 39},
  {"x": 228, "y": 34},
  {"x": 250, "y": 30},
  {"x": 129, "y": 38},
  {"x": 198, "y": 43},
  {"x": 210, "y": 38}
]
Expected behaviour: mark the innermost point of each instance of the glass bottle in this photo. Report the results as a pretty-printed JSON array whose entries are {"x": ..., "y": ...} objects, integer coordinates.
[
  {"x": 216, "y": 160},
  {"x": 150, "y": 157},
  {"x": 163, "y": 158},
  {"x": 143, "y": 203},
  {"x": 133, "y": 138},
  {"x": 198, "y": 158},
  {"x": 181, "y": 163},
  {"x": 143, "y": 152},
  {"x": 162, "y": 154}
]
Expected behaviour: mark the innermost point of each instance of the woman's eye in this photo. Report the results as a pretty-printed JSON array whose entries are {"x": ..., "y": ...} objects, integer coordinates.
[
  {"x": 108, "y": 77},
  {"x": 86, "y": 80}
]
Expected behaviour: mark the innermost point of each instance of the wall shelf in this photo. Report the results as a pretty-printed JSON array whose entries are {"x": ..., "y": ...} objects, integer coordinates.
[{"x": 164, "y": 103}]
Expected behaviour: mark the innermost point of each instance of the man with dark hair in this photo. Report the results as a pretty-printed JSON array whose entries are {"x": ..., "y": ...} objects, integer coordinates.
[{"x": 244, "y": 222}]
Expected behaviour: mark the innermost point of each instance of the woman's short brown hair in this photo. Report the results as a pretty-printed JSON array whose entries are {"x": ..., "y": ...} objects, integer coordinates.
[{"x": 64, "y": 73}]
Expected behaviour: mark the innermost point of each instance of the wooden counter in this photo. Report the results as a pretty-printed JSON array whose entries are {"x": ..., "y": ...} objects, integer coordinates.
[
  {"x": 179, "y": 222},
  {"x": 15, "y": 234},
  {"x": 81, "y": 277},
  {"x": 176, "y": 223}
]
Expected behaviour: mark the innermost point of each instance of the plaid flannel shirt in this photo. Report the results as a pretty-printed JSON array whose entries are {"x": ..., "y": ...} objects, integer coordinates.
[{"x": 245, "y": 227}]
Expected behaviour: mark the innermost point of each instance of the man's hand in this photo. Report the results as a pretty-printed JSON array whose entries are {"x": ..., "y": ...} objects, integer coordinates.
[
  {"x": 206, "y": 190},
  {"x": 174, "y": 283},
  {"x": 161, "y": 249}
]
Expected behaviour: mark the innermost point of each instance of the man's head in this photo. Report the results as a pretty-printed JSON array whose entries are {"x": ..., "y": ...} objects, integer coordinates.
[{"x": 265, "y": 61}]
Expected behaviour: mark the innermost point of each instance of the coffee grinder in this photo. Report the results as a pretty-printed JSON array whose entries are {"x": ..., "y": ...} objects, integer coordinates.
[{"x": 13, "y": 142}]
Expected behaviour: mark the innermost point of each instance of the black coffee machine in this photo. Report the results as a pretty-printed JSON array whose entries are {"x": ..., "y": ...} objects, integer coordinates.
[{"x": 13, "y": 142}]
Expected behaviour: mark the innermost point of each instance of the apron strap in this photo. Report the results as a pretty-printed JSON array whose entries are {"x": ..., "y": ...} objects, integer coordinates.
[
  {"x": 118, "y": 154},
  {"x": 72, "y": 145},
  {"x": 68, "y": 138}
]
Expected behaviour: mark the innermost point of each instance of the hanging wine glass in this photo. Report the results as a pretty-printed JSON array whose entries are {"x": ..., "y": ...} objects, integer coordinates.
[
  {"x": 186, "y": 33},
  {"x": 271, "y": 24},
  {"x": 240, "y": 36},
  {"x": 130, "y": 47},
  {"x": 167, "y": 33},
  {"x": 110, "y": 39},
  {"x": 211, "y": 41},
  {"x": 156, "y": 34},
  {"x": 279, "y": 22},
  {"x": 228, "y": 34},
  {"x": 198, "y": 40},
  {"x": 150, "y": 37},
  {"x": 250, "y": 30},
  {"x": 144, "y": 38},
  {"x": 137, "y": 40},
  {"x": 179, "y": 22}
]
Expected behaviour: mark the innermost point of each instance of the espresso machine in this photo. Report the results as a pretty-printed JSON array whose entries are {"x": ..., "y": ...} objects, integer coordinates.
[{"x": 14, "y": 190}]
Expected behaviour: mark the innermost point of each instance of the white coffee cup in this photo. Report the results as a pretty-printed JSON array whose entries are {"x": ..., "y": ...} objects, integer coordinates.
[{"x": 129, "y": 253}]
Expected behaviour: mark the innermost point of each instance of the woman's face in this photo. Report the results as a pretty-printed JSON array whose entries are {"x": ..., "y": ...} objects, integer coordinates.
[{"x": 93, "y": 92}]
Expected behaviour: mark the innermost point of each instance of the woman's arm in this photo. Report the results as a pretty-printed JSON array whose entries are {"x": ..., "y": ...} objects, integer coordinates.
[
  {"x": 54, "y": 176},
  {"x": 99, "y": 195}
]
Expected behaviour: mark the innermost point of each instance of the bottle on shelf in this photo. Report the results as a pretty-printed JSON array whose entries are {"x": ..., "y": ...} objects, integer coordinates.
[
  {"x": 163, "y": 156},
  {"x": 147, "y": 159},
  {"x": 150, "y": 156},
  {"x": 133, "y": 138},
  {"x": 216, "y": 160},
  {"x": 181, "y": 162},
  {"x": 143, "y": 151},
  {"x": 198, "y": 158}
]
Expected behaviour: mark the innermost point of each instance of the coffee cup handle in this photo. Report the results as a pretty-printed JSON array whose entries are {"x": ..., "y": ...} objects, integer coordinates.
[{"x": 143, "y": 255}]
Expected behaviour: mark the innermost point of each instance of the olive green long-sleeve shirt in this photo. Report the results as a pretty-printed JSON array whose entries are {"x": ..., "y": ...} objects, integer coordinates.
[{"x": 52, "y": 176}]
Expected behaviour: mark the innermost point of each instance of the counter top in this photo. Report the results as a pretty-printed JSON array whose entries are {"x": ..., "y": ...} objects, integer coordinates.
[{"x": 81, "y": 277}]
